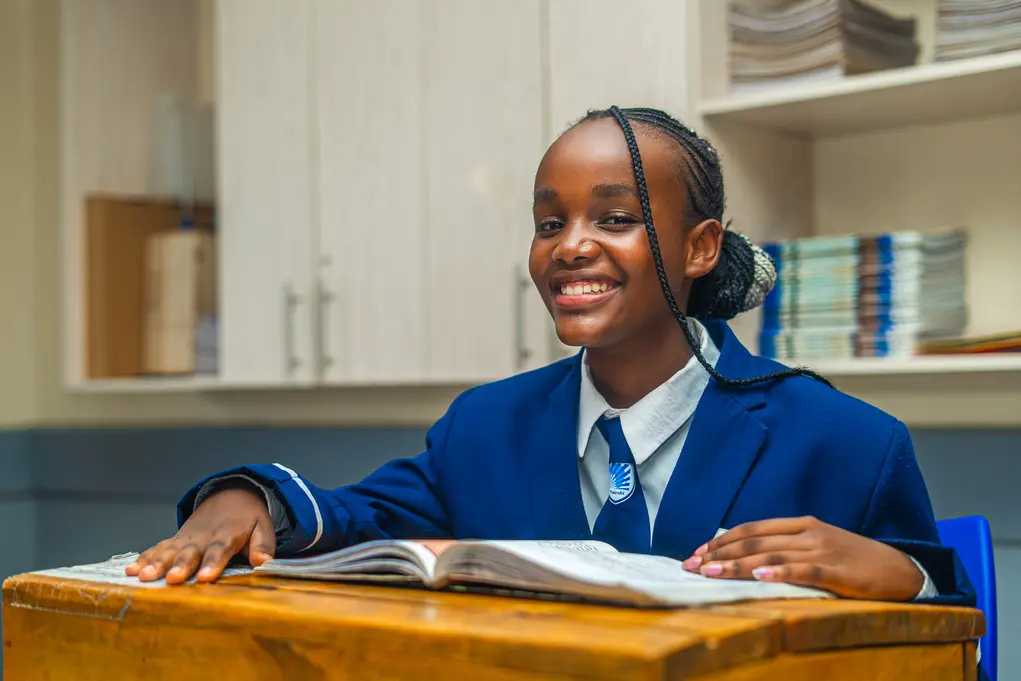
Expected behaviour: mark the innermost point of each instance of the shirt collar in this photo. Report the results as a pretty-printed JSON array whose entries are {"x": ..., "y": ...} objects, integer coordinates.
[{"x": 653, "y": 419}]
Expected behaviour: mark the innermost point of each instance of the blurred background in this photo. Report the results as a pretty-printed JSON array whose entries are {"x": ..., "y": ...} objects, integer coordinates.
[{"x": 293, "y": 230}]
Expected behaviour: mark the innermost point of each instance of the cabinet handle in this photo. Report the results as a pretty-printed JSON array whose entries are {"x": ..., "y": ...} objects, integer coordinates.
[
  {"x": 521, "y": 351},
  {"x": 323, "y": 298},
  {"x": 291, "y": 300}
]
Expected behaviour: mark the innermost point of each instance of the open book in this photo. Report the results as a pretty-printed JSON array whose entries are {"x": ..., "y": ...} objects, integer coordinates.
[{"x": 581, "y": 570}]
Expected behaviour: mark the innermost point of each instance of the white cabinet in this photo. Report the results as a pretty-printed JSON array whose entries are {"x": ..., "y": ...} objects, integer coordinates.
[
  {"x": 371, "y": 191},
  {"x": 266, "y": 185},
  {"x": 428, "y": 132},
  {"x": 483, "y": 141}
]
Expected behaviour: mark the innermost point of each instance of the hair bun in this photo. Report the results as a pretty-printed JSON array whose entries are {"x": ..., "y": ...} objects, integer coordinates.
[{"x": 741, "y": 280}]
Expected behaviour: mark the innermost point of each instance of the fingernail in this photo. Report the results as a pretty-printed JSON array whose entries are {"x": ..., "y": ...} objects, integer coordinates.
[
  {"x": 205, "y": 572},
  {"x": 148, "y": 571},
  {"x": 712, "y": 570},
  {"x": 693, "y": 563},
  {"x": 762, "y": 572},
  {"x": 702, "y": 550}
]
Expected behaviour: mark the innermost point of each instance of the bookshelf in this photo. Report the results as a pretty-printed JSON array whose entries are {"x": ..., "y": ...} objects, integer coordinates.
[
  {"x": 922, "y": 365},
  {"x": 923, "y": 147},
  {"x": 921, "y": 95}
]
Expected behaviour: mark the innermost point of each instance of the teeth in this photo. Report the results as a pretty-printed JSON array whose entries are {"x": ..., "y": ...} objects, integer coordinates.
[{"x": 580, "y": 289}]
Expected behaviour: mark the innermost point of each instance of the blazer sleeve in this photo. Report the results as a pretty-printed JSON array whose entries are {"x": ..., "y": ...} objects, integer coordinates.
[
  {"x": 401, "y": 500},
  {"x": 900, "y": 514}
]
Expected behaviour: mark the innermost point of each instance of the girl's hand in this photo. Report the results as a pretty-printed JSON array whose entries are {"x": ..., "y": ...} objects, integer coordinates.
[
  {"x": 229, "y": 522},
  {"x": 808, "y": 552}
]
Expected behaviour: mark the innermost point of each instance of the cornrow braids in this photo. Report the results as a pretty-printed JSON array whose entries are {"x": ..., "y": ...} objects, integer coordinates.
[{"x": 744, "y": 273}]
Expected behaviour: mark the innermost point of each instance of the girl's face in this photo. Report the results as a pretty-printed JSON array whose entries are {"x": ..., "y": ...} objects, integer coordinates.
[{"x": 590, "y": 257}]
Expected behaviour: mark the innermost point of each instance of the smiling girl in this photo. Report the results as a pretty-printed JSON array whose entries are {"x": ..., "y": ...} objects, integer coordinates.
[{"x": 663, "y": 435}]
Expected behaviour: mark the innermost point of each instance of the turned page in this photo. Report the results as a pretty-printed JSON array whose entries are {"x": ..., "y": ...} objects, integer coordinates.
[{"x": 589, "y": 569}]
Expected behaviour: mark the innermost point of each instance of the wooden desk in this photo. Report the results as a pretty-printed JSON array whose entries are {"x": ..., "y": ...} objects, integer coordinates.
[{"x": 250, "y": 628}]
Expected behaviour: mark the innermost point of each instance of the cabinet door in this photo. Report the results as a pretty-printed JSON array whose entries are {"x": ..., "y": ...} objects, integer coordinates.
[
  {"x": 483, "y": 140},
  {"x": 371, "y": 269},
  {"x": 263, "y": 165}
]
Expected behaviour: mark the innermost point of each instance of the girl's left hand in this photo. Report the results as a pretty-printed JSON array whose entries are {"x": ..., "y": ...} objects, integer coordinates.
[{"x": 808, "y": 552}]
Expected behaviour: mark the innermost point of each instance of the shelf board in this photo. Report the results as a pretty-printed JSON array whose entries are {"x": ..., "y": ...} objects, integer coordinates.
[
  {"x": 924, "y": 94},
  {"x": 925, "y": 364},
  {"x": 145, "y": 384}
]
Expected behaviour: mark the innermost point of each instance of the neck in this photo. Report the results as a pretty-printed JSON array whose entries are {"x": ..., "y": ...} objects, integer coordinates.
[{"x": 626, "y": 372}]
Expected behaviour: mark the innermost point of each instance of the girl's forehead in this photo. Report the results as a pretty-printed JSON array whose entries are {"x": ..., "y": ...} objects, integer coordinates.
[{"x": 596, "y": 151}]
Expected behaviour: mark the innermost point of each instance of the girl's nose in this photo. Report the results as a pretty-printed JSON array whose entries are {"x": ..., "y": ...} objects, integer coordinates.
[{"x": 574, "y": 244}]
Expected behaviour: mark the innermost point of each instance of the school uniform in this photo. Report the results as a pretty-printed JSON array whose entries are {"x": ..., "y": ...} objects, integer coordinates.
[{"x": 533, "y": 457}]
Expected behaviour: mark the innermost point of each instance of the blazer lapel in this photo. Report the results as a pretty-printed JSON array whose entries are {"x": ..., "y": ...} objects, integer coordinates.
[
  {"x": 551, "y": 456},
  {"x": 723, "y": 442}
]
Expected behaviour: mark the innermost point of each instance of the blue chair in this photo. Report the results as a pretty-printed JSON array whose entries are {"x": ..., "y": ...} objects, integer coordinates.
[{"x": 971, "y": 538}]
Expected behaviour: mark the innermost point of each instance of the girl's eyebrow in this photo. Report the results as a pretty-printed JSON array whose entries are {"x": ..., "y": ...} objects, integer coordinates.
[
  {"x": 610, "y": 191},
  {"x": 602, "y": 191},
  {"x": 544, "y": 195}
]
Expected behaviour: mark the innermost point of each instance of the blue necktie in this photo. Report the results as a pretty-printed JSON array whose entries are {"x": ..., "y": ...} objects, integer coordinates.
[{"x": 623, "y": 521}]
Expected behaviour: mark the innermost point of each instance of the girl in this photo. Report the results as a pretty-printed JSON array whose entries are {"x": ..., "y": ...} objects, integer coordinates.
[{"x": 663, "y": 435}]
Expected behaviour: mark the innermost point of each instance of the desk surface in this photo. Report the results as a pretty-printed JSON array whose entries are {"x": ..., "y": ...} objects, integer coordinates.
[{"x": 254, "y": 627}]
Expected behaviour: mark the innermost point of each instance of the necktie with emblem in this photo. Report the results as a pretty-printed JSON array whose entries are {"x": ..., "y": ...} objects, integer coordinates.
[{"x": 623, "y": 521}]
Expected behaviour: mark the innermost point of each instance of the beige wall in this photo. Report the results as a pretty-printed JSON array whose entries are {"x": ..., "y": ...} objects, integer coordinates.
[{"x": 28, "y": 205}]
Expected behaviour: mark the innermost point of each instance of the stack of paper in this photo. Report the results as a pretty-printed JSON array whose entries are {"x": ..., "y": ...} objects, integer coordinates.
[
  {"x": 971, "y": 28},
  {"x": 782, "y": 42},
  {"x": 876, "y": 296}
]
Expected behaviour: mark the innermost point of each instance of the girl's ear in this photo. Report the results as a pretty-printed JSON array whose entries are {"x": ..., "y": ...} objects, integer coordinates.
[{"x": 705, "y": 242}]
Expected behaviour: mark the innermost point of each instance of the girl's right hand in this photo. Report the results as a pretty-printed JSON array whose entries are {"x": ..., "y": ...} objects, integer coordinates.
[{"x": 229, "y": 522}]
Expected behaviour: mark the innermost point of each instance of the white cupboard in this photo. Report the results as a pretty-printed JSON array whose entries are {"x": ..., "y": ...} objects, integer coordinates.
[
  {"x": 265, "y": 191},
  {"x": 370, "y": 199},
  {"x": 427, "y": 131},
  {"x": 482, "y": 132}
]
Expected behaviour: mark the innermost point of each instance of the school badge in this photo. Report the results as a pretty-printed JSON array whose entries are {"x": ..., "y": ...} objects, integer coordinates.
[{"x": 622, "y": 482}]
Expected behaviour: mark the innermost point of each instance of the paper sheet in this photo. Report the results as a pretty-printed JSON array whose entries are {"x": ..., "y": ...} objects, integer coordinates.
[{"x": 112, "y": 572}]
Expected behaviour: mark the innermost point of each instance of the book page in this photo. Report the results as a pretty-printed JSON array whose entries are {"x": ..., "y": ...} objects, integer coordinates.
[
  {"x": 112, "y": 572},
  {"x": 621, "y": 577},
  {"x": 383, "y": 557}
]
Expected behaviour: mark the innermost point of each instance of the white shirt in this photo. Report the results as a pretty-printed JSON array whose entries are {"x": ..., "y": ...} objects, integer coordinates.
[{"x": 655, "y": 428}]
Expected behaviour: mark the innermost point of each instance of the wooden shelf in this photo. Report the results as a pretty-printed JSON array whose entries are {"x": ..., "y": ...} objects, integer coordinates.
[
  {"x": 924, "y": 94},
  {"x": 928, "y": 364}
]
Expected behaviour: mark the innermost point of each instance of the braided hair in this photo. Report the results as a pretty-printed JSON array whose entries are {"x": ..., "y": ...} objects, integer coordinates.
[{"x": 744, "y": 274}]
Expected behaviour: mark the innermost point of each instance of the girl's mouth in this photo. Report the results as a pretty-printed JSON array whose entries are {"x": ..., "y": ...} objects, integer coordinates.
[{"x": 579, "y": 294}]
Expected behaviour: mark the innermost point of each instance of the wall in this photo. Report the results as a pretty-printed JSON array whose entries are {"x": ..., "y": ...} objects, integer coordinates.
[{"x": 27, "y": 183}]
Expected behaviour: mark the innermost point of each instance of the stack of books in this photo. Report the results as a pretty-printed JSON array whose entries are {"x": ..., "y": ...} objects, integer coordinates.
[
  {"x": 972, "y": 28},
  {"x": 864, "y": 296},
  {"x": 776, "y": 43}
]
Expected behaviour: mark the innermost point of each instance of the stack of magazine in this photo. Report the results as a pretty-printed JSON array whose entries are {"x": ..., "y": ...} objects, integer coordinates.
[
  {"x": 777, "y": 43},
  {"x": 864, "y": 296},
  {"x": 972, "y": 28}
]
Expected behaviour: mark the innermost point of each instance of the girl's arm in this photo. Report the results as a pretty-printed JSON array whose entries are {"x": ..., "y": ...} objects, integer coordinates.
[
  {"x": 267, "y": 510},
  {"x": 872, "y": 562}
]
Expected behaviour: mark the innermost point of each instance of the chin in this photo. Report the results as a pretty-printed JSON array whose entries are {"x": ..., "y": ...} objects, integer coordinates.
[{"x": 576, "y": 334}]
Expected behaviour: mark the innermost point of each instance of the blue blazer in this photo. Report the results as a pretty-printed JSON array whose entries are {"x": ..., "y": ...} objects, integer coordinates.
[{"x": 502, "y": 463}]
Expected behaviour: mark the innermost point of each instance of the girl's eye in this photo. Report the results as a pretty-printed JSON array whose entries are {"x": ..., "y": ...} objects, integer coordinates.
[
  {"x": 548, "y": 226},
  {"x": 619, "y": 220}
]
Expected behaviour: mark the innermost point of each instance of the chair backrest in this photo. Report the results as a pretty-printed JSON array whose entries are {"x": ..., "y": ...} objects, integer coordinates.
[{"x": 971, "y": 538}]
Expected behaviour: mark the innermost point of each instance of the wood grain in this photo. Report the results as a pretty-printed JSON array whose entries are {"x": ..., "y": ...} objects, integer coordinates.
[
  {"x": 262, "y": 628},
  {"x": 816, "y": 625},
  {"x": 929, "y": 662}
]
